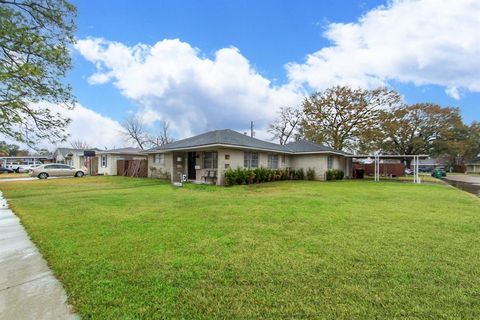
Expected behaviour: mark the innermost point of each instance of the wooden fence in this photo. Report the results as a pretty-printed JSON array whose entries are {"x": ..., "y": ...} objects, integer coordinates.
[{"x": 132, "y": 168}]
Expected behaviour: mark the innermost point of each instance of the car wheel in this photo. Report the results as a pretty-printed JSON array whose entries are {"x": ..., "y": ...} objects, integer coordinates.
[
  {"x": 79, "y": 174},
  {"x": 43, "y": 175}
]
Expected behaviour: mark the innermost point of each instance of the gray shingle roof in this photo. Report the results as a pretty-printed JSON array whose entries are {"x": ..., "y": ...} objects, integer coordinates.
[
  {"x": 122, "y": 150},
  {"x": 308, "y": 146},
  {"x": 225, "y": 137},
  {"x": 65, "y": 151},
  {"x": 474, "y": 161},
  {"x": 233, "y": 138}
]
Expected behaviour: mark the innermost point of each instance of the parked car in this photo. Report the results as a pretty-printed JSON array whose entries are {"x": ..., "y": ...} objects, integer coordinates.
[
  {"x": 56, "y": 170},
  {"x": 5, "y": 170},
  {"x": 408, "y": 171},
  {"x": 26, "y": 167}
]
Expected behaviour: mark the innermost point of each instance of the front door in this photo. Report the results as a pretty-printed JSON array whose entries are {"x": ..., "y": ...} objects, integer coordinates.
[{"x": 192, "y": 160}]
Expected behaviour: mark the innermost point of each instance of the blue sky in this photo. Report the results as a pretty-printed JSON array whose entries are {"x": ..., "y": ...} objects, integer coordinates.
[{"x": 269, "y": 36}]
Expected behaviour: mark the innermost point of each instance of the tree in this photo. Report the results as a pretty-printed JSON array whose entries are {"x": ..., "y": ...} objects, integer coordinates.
[
  {"x": 34, "y": 56},
  {"x": 10, "y": 150},
  {"x": 134, "y": 131},
  {"x": 423, "y": 128},
  {"x": 43, "y": 152},
  {"x": 79, "y": 144},
  {"x": 339, "y": 115},
  {"x": 463, "y": 144},
  {"x": 285, "y": 125},
  {"x": 163, "y": 137}
]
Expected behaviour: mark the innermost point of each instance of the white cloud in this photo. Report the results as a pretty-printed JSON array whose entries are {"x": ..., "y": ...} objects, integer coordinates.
[
  {"x": 419, "y": 42},
  {"x": 89, "y": 126},
  {"x": 453, "y": 92},
  {"x": 172, "y": 80}
]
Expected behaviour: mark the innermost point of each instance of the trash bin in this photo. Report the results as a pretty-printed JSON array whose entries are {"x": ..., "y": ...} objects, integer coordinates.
[
  {"x": 359, "y": 173},
  {"x": 439, "y": 174}
]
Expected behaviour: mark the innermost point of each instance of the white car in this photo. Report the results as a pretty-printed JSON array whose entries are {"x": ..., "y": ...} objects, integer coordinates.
[
  {"x": 26, "y": 167},
  {"x": 56, "y": 170}
]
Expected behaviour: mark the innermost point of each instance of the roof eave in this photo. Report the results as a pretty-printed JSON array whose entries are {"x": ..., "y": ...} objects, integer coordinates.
[{"x": 217, "y": 145}]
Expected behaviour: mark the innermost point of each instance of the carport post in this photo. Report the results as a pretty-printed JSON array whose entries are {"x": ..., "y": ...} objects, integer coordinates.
[{"x": 377, "y": 168}]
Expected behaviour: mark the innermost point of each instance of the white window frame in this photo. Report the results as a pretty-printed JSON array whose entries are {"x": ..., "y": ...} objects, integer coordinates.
[
  {"x": 159, "y": 158},
  {"x": 103, "y": 161},
  {"x": 272, "y": 161},
  {"x": 250, "y": 159},
  {"x": 329, "y": 162},
  {"x": 210, "y": 160}
]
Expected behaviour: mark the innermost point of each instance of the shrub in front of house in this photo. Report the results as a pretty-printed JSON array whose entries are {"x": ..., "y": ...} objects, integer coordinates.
[
  {"x": 259, "y": 175},
  {"x": 299, "y": 174},
  {"x": 334, "y": 175},
  {"x": 310, "y": 174}
]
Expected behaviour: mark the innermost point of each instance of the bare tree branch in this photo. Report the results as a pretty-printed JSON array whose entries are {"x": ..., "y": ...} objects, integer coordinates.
[
  {"x": 134, "y": 131},
  {"x": 285, "y": 125}
]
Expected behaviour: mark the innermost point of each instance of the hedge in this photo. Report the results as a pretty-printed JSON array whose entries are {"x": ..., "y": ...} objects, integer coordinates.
[
  {"x": 260, "y": 175},
  {"x": 334, "y": 175}
]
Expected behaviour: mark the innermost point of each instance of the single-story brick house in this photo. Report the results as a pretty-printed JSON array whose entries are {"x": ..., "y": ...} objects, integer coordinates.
[{"x": 206, "y": 157}]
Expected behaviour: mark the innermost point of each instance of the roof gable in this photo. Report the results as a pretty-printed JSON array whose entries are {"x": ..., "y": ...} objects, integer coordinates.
[{"x": 304, "y": 146}]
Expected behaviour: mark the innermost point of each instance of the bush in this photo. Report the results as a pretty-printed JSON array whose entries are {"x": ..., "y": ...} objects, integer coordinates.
[
  {"x": 334, "y": 175},
  {"x": 299, "y": 174},
  {"x": 310, "y": 174},
  {"x": 230, "y": 177},
  {"x": 257, "y": 175}
]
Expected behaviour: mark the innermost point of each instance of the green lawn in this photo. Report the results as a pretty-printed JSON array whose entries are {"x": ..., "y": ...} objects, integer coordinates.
[
  {"x": 13, "y": 175},
  {"x": 129, "y": 248}
]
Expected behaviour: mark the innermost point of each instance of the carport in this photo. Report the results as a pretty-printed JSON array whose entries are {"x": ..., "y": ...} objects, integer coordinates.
[{"x": 378, "y": 157}]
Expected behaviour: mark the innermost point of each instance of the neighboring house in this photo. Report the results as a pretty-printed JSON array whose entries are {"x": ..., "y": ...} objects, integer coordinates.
[
  {"x": 206, "y": 157},
  {"x": 432, "y": 163},
  {"x": 107, "y": 159},
  {"x": 75, "y": 158},
  {"x": 69, "y": 156},
  {"x": 473, "y": 166}
]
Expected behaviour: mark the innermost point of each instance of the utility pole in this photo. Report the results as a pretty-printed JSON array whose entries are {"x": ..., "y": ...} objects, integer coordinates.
[{"x": 251, "y": 129}]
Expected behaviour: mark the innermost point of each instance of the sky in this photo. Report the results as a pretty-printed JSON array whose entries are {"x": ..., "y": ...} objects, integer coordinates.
[{"x": 205, "y": 65}]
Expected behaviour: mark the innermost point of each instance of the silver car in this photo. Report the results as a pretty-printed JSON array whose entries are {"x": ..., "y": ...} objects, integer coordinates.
[{"x": 56, "y": 170}]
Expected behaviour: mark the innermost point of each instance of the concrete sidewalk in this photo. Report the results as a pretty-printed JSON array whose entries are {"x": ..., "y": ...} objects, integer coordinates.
[{"x": 28, "y": 289}]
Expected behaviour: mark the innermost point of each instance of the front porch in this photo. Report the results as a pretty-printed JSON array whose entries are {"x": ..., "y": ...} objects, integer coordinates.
[{"x": 197, "y": 166}]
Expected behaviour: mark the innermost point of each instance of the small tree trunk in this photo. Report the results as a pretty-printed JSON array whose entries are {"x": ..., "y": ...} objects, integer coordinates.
[{"x": 408, "y": 163}]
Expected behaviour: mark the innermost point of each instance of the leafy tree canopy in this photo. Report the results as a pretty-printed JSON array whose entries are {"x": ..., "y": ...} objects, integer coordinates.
[
  {"x": 35, "y": 37},
  {"x": 339, "y": 115}
]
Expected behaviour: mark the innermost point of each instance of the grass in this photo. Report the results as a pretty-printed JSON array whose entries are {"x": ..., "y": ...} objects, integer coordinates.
[
  {"x": 129, "y": 248},
  {"x": 424, "y": 177},
  {"x": 13, "y": 175}
]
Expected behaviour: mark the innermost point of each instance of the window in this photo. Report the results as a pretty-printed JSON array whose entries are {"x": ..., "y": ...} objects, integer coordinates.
[
  {"x": 104, "y": 161},
  {"x": 209, "y": 160},
  {"x": 250, "y": 160},
  {"x": 284, "y": 157},
  {"x": 329, "y": 162},
  {"x": 159, "y": 158},
  {"x": 273, "y": 161}
]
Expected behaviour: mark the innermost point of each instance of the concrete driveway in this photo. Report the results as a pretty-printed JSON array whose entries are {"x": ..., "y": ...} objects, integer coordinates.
[
  {"x": 467, "y": 183},
  {"x": 464, "y": 178}
]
